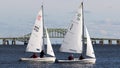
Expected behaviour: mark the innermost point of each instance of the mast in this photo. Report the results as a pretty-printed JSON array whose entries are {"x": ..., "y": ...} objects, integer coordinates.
[
  {"x": 43, "y": 47},
  {"x": 82, "y": 25}
]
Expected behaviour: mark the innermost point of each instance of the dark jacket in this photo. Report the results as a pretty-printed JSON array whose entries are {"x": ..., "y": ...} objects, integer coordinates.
[
  {"x": 70, "y": 57},
  {"x": 42, "y": 54}
]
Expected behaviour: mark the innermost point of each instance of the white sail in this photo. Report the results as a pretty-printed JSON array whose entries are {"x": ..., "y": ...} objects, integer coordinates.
[
  {"x": 73, "y": 40},
  {"x": 49, "y": 46},
  {"x": 89, "y": 51},
  {"x": 36, "y": 39}
]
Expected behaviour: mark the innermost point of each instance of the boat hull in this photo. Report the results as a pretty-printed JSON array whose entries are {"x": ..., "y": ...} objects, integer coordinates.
[
  {"x": 45, "y": 59},
  {"x": 76, "y": 60}
]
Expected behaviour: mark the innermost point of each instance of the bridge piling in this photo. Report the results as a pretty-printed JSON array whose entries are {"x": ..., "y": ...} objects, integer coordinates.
[
  {"x": 13, "y": 42},
  {"x": 93, "y": 42},
  {"x": 110, "y": 42},
  {"x": 5, "y": 42},
  {"x": 101, "y": 42},
  {"x": 118, "y": 42}
]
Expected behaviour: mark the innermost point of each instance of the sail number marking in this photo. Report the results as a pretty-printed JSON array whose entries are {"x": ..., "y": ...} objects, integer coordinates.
[{"x": 36, "y": 28}]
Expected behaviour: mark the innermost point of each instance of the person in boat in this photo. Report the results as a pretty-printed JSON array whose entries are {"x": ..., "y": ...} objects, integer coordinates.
[
  {"x": 42, "y": 54},
  {"x": 70, "y": 57},
  {"x": 81, "y": 57},
  {"x": 34, "y": 55}
]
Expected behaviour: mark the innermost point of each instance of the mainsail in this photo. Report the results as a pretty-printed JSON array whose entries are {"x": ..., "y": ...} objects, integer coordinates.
[
  {"x": 89, "y": 51},
  {"x": 49, "y": 46},
  {"x": 73, "y": 40},
  {"x": 36, "y": 39}
]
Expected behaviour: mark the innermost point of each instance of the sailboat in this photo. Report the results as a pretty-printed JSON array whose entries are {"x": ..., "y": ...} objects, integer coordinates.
[
  {"x": 74, "y": 40},
  {"x": 36, "y": 41}
]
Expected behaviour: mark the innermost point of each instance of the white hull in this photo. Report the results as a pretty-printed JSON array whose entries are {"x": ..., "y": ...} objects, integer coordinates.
[
  {"x": 76, "y": 60},
  {"x": 45, "y": 59}
]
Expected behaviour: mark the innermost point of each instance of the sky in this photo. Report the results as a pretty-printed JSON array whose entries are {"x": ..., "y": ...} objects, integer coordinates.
[{"x": 102, "y": 17}]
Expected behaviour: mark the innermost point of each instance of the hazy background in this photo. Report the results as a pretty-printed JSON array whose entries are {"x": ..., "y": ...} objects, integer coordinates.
[{"x": 102, "y": 17}]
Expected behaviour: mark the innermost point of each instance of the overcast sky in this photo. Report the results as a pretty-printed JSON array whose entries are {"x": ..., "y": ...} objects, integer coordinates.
[{"x": 102, "y": 17}]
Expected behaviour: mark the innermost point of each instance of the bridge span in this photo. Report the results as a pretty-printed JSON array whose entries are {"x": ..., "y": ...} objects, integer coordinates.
[{"x": 56, "y": 33}]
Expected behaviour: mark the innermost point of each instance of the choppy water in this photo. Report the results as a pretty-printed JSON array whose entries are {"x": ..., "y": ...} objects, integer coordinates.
[{"x": 108, "y": 56}]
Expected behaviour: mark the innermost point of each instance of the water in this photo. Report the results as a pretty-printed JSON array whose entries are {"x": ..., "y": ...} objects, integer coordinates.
[{"x": 107, "y": 57}]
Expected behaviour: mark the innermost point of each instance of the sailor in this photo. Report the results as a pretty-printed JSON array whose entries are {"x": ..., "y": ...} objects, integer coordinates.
[
  {"x": 34, "y": 55},
  {"x": 81, "y": 57},
  {"x": 42, "y": 54},
  {"x": 71, "y": 57}
]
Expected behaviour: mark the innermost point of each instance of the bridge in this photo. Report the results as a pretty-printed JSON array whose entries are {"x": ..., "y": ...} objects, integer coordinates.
[{"x": 56, "y": 33}]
